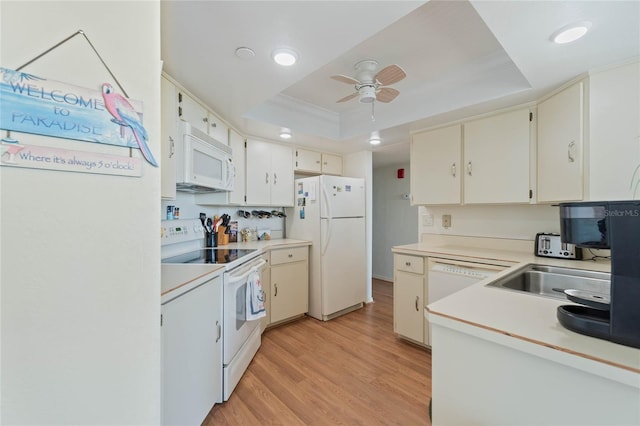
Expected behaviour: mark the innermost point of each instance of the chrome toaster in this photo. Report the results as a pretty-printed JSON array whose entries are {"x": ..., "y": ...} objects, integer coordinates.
[{"x": 550, "y": 245}]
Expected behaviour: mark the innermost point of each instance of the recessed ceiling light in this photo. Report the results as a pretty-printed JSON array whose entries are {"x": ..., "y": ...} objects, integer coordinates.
[
  {"x": 285, "y": 134},
  {"x": 571, "y": 32},
  {"x": 284, "y": 57},
  {"x": 245, "y": 53}
]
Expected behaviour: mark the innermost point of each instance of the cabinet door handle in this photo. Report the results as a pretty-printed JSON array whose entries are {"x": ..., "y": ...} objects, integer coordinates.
[
  {"x": 275, "y": 288},
  {"x": 570, "y": 151},
  {"x": 214, "y": 124},
  {"x": 275, "y": 179},
  {"x": 172, "y": 147},
  {"x": 219, "y": 331},
  {"x": 453, "y": 169},
  {"x": 266, "y": 177},
  {"x": 205, "y": 119},
  {"x": 469, "y": 167},
  {"x": 417, "y": 303}
]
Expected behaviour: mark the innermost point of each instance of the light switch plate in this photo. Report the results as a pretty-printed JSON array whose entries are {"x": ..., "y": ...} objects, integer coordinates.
[{"x": 427, "y": 220}]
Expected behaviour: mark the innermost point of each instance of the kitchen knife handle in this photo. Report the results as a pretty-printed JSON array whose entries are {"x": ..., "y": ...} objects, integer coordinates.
[
  {"x": 570, "y": 151},
  {"x": 417, "y": 301},
  {"x": 469, "y": 167},
  {"x": 453, "y": 169},
  {"x": 219, "y": 331}
]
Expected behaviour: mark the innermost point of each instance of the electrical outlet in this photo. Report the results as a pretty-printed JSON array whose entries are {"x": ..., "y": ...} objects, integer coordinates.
[
  {"x": 427, "y": 220},
  {"x": 446, "y": 221}
]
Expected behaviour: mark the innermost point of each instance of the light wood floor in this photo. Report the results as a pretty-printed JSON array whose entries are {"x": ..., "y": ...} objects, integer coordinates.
[{"x": 351, "y": 370}]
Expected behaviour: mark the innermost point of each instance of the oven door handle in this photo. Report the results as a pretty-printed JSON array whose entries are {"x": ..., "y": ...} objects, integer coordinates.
[{"x": 243, "y": 277}]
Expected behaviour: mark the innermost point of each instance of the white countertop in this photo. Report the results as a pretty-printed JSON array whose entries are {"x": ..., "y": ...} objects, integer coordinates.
[
  {"x": 173, "y": 281},
  {"x": 268, "y": 244},
  {"x": 526, "y": 317}
]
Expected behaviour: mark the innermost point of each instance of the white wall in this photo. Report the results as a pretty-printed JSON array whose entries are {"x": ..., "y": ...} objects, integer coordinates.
[
  {"x": 360, "y": 164},
  {"x": 79, "y": 256},
  {"x": 497, "y": 221},
  {"x": 395, "y": 221}
]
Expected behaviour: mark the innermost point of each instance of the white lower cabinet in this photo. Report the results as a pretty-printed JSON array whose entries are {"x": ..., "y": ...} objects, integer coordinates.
[
  {"x": 191, "y": 341},
  {"x": 289, "y": 289},
  {"x": 410, "y": 298}
]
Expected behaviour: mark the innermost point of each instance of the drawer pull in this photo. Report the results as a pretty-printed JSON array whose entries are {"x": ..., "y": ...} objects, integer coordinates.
[
  {"x": 290, "y": 255},
  {"x": 407, "y": 263}
]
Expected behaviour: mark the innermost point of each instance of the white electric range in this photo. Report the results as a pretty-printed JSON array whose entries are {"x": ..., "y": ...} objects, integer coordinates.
[{"x": 183, "y": 243}]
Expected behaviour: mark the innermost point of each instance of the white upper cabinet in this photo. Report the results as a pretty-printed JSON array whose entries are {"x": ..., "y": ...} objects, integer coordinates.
[
  {"x": 168, "y": 106},
  {"x": 485, "y": 161},
  {"x": 435, "y": 163},
  {"x": 192, "y": 111},
  {"x": 331, "y": 164},
  {"x": 496, "y": 158},
  {"x": 560, "y": 146},
  {"x": 217, "y": 128},
  {"x": 314, "y": 162},
  {"x": 237, "y": 142},
  {"x": 269, "y": 174},
  {"x": 308, "y": 161}
]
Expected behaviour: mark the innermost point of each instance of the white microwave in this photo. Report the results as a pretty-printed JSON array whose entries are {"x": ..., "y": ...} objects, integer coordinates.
[{"x": 202, "y": 163}]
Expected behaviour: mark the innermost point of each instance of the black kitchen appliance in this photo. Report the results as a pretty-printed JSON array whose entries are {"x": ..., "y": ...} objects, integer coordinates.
[{"x": 613, "y": 225}]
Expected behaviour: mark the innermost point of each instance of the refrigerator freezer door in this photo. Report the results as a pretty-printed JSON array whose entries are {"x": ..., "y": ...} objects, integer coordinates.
[
  {"x": 342, "y": 196},
  {"x": 344, "y": 264}
]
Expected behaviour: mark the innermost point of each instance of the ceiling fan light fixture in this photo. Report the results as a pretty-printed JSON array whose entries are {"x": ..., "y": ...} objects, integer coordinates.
[
  {"x": 367, "y": 94},
  {"x": 285, "y": 134},
  {"x": 374, "y": 139},
  {"x": 570, "y": 33},
  {"x": 284, "y": 56}
]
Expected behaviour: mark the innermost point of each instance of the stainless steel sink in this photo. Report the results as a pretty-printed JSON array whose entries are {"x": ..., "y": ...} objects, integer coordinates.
[{"x": 551, "y": 281}]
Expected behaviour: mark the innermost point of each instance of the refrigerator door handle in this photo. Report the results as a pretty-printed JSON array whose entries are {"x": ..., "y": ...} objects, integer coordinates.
[{"x": 325, "y": 196}]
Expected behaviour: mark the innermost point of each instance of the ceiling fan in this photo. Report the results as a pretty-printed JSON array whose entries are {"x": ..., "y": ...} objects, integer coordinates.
[{"x": 371, "y": 84}]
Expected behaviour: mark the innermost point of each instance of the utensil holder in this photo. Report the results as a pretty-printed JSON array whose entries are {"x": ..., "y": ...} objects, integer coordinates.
[{"x": 212, "y": 239}]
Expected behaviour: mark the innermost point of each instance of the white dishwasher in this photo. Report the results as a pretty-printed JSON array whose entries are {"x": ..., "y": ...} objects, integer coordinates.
[{"x": 446, "y": 276}]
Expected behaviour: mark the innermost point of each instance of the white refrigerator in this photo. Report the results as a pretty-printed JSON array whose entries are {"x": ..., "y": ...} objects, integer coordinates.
[{"x": 330, "y": 212}]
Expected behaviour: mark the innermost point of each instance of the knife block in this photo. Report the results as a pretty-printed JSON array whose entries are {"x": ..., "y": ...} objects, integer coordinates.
[{"x": 223, "y": 238}]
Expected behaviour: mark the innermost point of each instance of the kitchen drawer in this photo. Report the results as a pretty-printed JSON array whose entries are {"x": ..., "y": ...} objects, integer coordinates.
[
  {"x": 289, "y": 255},
  {"x": 408, "y": 263}
]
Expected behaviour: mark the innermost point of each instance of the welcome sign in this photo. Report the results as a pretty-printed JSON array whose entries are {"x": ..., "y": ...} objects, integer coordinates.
[{"x": 32, "y": 104}]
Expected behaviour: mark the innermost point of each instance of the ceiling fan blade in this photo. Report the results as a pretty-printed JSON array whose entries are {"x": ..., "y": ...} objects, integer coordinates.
[
  {"x": 390, "y": 75},
  {"x": 386, "y": 94},
  {"x": 345, "y": 79},
  {"x": 347, "y": 98}
]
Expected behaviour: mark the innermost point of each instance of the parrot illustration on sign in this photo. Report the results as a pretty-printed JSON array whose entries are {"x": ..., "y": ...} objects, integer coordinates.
[{"x": 125, "y": 115}]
